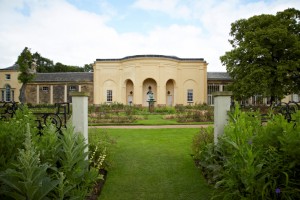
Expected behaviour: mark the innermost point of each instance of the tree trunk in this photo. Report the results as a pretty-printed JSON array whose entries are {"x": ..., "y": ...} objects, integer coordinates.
[{"x": 22, "y": 96}]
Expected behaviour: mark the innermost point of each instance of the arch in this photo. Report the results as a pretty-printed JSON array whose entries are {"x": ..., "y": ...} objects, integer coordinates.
[
  {"x": 109, "y": 91},
  {"x": 190, "y": 91},
  {"x": 170, "y": 92},
  {"x": 149, "y": 84},
  {"x": 129, "y": 94}
]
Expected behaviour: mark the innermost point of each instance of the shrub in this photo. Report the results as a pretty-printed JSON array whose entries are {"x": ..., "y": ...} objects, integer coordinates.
[
  {"x": 27, "y": 178},
  {"x": 100, "y": 149},
  {"x": 53, "y": 166},
  {"x": 201, "y": 140},
  {"x": 12, "y": 135},
  {"x": 254, "y": 161}
]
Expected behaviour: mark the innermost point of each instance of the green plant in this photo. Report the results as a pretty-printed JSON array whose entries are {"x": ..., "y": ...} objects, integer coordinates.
[
  {"x": 52, "y": 166},
  {"x": 74, "y": 164},
  {"x": 27, "y": 178},
  {"x": 254, "y": 161},
  {"x": 201, "y": 140},
  {"x": 100, "y": 149},
  {"x": 12, "y": 135}
]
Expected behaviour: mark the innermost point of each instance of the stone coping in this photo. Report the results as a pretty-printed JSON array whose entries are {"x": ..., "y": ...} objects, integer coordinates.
[
  {"x": 79, "y": 94},
  {"x": 224, "y": 93}
]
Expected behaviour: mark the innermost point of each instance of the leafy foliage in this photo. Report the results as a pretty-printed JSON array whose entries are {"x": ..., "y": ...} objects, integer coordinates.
[
  {"x": 201, "y": 140},
  {"x": 265, "y": 55},
  {"x": 100, "y": 149},
  {"x": 25, "y": 63},
  {"x": 12, "y": 135},
  {"x": 28, "y": 177},
  {"x": 52, "y": 166},
  {"x": 44, "y": 65},
  {"x": 254, "y": 161}
]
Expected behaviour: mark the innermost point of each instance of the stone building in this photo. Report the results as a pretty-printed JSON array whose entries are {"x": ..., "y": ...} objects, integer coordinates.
[
  {"x": 171, "y": 80},
  {"x": 131, "y": 80},
  {"x": 49, "y": 88},
  {"x": 9, "y": 84},
  {"x": 216, "y": 82}
]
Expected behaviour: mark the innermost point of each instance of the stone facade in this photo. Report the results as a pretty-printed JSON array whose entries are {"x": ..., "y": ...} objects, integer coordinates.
[
  {"x": 56, "y": 92},
  {"x": 9, "y": 84},
  {"x": 172, "y": 80},
  {"x": 50, "y": 88}
]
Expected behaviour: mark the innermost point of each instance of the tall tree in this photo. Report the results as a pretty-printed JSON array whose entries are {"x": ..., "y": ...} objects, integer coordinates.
[
  {"x": 43, "y": 64},
  {"x": 265, "y": 58},
  {"x": 88, "y": 68},
  {"x": 27, "y": 71}
]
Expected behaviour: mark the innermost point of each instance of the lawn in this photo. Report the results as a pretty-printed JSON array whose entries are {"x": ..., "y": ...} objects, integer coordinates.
[
  {"x": 156, "y": 120},
  {"x": 153, "y": 164}
]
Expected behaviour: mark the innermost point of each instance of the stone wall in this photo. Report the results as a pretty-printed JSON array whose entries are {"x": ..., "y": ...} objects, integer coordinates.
[
  {"x": 58, "y": 93},
  {"x": 44, "y": 95},
  {"x": 90, "y": 89},
  {"x": 31, "y": 93}
]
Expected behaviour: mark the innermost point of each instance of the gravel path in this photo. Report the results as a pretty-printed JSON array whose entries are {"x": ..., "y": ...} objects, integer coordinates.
[{"x": 153, "y": 127}]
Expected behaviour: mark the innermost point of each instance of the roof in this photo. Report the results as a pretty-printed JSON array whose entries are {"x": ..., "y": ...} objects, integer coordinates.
[
  {"x": 152, "y": 56},
  {"x": 14, "y": 67},
  {"x": 64, "y": 77},
  {"x": 224, "y": 76}
]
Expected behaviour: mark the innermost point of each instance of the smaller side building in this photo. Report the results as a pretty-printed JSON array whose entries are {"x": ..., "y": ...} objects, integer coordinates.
[
  {"x": 50, "y": 88},
  {"x": 216, "y": 82},
  {"x": 9, "y": 84}
]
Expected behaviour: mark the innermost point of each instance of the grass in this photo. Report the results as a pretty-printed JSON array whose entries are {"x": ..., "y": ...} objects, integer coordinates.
[
  {"x": 153, "y": 164},
  {"x": 156, "y": 120}
]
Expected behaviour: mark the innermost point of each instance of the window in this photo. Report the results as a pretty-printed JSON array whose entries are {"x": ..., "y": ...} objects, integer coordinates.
[
  {"x": 72, "y": 88},
  {"x": 210, "y": 89},
  {"x": 7, "y": 76},
  {"x": 7, "y": 93},
  {"x": 109, "y": 96},
  {"x": 190, "y": 95},
  {"x": 45, "y": 89}
]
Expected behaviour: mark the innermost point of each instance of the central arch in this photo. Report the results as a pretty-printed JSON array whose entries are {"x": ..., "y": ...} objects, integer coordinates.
[{"x": 149, "y": 84}]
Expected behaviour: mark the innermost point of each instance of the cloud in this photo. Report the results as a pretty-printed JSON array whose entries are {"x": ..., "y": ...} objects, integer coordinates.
[
  {"x": 65, "y": 33},
  {"x": 170, "y": 7}
]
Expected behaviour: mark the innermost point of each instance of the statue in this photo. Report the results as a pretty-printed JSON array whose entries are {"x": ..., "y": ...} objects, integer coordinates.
[
  {"x": 150, "y": 94},
  {"x": 150, "y": 99}
]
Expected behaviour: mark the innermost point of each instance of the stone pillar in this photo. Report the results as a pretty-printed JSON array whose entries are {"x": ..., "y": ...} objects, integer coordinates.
[
  {"x": 80, "y": 113},
  {"x": 65, "y": 93},
  {"x": 79, "y": 88},
  {"x": 37, "y": 94},
  {"x": 221, "y": 107},
  {"x": 51, "y": 94}
]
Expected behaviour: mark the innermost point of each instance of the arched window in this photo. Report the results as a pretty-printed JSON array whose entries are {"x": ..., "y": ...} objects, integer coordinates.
[{"x": 7, "y": 93}]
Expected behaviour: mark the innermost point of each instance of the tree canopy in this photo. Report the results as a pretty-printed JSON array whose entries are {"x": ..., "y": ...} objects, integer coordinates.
[
  {"x": 25, "y": 62},
  {"x": 265, "y": 58},
  {"x": 46, "y": 65}
]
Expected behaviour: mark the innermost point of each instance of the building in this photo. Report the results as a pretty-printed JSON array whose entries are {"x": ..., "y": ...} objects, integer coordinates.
[
  {"x": 9, "y": 84},
  {"x": 130, "y": 80},
  {"x": 49, "y": 88},
  {"x": 216, "y": 82},
  {"x": 171, "y": 80}
]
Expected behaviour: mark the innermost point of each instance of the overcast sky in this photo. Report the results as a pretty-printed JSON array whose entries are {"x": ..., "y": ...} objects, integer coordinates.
[{"x": 77, "y": 32}]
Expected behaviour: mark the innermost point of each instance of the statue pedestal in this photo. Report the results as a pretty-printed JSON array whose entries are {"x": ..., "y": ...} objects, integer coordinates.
[{"x": 151, "y": 105}]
